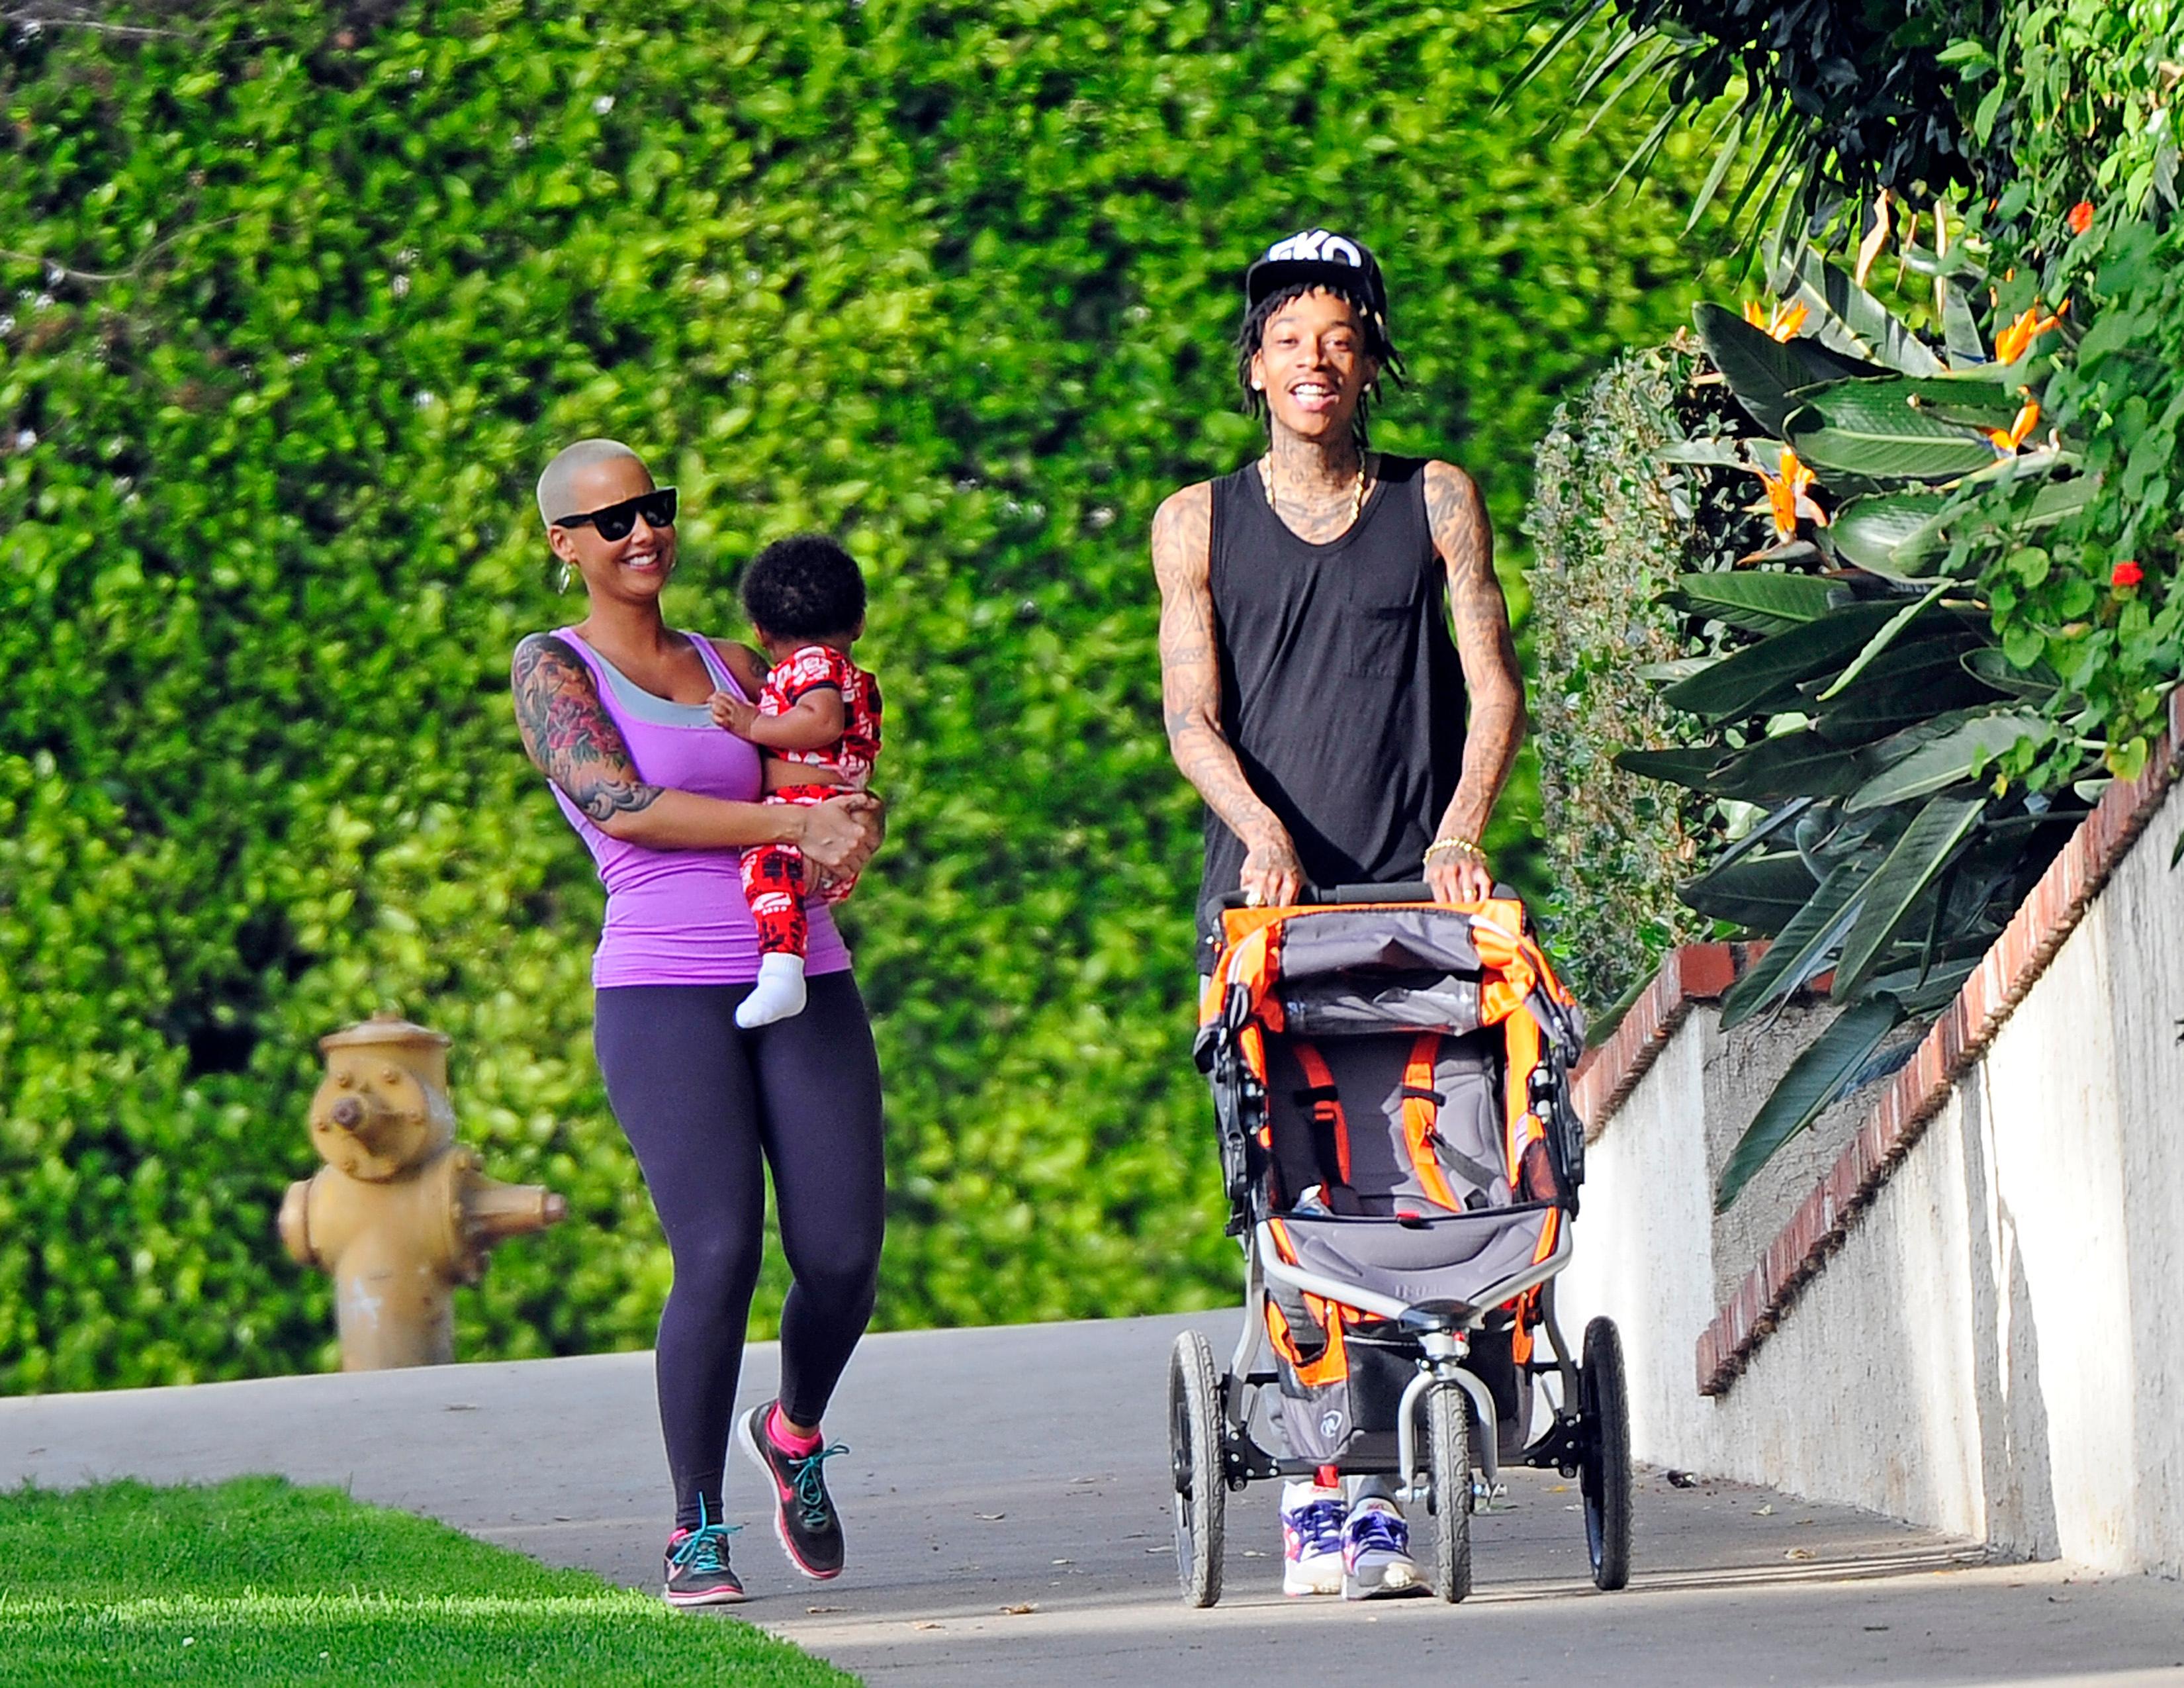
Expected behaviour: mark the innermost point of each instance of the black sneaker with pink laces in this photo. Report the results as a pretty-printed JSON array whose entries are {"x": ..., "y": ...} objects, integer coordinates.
[{"x": 804, "y": 1515}]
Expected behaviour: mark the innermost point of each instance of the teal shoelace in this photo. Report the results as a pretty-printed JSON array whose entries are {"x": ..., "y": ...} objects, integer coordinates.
[
  {"x": 704, "y": 1549},
  {"x": 810, "y": 1483}
]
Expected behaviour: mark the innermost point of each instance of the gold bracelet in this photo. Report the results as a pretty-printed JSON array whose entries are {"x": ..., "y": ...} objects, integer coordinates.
[{"x": 1463, "y": 847}]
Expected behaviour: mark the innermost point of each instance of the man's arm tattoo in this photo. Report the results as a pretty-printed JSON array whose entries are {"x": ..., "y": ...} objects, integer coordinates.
[
  {"x": 1483, "y": 642},
  {"x": 567, "y": 731},
  {"x": 1190, "y": 671}
]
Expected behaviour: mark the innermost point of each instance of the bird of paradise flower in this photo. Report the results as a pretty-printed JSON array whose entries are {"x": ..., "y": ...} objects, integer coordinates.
[
  {"x": 2016, "y": 340},
  {"x": 1788, "y": 499},
  {"x": 1782, "y": 323}
]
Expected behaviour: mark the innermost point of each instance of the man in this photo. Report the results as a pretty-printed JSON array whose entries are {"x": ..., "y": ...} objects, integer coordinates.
[{"x": 1312, "y": 692}]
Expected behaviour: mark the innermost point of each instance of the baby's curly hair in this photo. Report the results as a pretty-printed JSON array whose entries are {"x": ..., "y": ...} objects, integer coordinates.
[{"x": 804, "y": 587}]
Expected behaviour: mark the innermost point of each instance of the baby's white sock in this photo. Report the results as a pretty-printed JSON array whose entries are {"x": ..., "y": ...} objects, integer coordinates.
[{"x": 778, "y": 995}]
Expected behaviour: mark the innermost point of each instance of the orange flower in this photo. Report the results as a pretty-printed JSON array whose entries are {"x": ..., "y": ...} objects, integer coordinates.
[
  {"x": 2081, "y": 216},
  {"x": 2126, "y": 575},
  {"x": 1786, "y": 497},
  {"x": 1782, "y": 324},
  {"x": 2027, "y": 420},
  {"x": 2014, "y": 341}
]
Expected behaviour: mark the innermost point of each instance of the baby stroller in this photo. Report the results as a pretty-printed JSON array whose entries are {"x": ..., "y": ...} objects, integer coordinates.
[{"x": 1382, "y": 1067}]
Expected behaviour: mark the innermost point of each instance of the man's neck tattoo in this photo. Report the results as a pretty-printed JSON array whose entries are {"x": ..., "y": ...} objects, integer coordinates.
[{"x": 1317, "y": 510}]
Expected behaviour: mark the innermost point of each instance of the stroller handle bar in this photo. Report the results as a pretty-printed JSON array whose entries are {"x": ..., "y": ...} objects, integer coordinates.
[{"x": 1314, "y": 896}]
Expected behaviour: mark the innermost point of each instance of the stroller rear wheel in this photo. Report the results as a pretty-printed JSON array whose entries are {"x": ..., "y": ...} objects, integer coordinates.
[
  {"x": 1194, "y": 1442},
  {"x": 1604, "y": 1475},
  {"x": 1448, "y": 1491}
]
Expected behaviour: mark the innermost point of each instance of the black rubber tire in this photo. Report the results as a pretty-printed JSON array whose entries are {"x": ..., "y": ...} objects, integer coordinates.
[
  {"x": 1604, "y": 1475},
  {"x": 1448, "y": 1490},
  {"x": 1194, "y": 1440}
]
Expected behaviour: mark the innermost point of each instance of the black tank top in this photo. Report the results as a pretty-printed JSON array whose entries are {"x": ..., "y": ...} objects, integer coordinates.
[{"x": 1340, "y": 690}]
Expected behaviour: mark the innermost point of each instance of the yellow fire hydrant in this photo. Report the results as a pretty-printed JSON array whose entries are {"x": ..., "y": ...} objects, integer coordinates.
[{"x": 400, "y": 1215}]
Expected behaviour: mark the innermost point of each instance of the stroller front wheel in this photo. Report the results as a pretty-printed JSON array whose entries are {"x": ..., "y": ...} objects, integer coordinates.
[
  {"x": 1449, "y": 1491},
  {"x": 1194, "y": 1438}
]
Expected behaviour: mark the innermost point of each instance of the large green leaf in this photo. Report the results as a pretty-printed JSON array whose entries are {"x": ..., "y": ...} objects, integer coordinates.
[
  {"x": 1789, "y": 765},
  {"x": 1803, "y": 946},
  {"x": 1935, "y": 991},
  {"x": 1867, "y": 428},
  {"x": 1848, "y": 319},
  {"x": 1760, "y": 369},
  {"x": 1786, "y": 815},
  {"x": 1989, "y": 664},
  {"x": 1761, "y": 894},
  {"x": 1757, "y": 603},
  {"x": 1891, "y": 532},
  {"x": 1693, "y": 766},
  {"x": 1944, "y": 761},
  {"x": 1891, "y": 631},
  {"x": 1971, "y": 401},
  {"x": 1960, "y": 330},
  {"x": 1817, "y": 1078},
  {"x": 1928, "y": 846},
  {"x": 1765, "y": 675},
  {"x": 1921, "y": 677}
]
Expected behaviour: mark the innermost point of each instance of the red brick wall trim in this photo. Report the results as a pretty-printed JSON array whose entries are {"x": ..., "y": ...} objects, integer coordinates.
[
  {"x": 1696, "y": 972},
  {"x": 1922, "y": 1089}
]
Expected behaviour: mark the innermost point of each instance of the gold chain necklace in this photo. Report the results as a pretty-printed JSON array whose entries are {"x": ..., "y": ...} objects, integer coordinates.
[{"x": 1358, "y": 495}]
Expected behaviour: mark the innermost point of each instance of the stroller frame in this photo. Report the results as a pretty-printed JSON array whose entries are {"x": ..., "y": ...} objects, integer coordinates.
[{"x": 1213, "y": 1451}]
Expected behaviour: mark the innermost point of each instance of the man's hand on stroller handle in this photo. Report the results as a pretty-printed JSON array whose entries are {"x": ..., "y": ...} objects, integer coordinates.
[
  {"x": 1459, "y": 876},
  {"x": 1271, "y": 876}
]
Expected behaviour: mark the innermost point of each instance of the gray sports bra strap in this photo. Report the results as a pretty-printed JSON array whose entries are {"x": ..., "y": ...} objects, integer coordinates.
[{"x": 719, "y": 670}]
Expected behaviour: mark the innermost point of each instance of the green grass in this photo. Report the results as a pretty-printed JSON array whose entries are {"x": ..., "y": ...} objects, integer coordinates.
[{"x": 256, "y": 1581}]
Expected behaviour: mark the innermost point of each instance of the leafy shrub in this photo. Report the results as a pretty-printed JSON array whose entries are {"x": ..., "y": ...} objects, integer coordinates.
[
  {"x": 1614, "y": 523},
  {"x": 307, "y": 299}
]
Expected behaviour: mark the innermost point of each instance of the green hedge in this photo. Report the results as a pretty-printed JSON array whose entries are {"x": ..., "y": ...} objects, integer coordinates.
[
  {"x": 295, "y": 305},
  {"x": 1612, "y": 524}
]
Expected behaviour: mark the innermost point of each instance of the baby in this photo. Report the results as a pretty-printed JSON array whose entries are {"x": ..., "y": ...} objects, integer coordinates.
[{"x": 818, "y": 715}]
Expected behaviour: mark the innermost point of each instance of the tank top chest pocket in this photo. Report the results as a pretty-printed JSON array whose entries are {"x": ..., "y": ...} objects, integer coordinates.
[{"x": 1378, "y": 629}]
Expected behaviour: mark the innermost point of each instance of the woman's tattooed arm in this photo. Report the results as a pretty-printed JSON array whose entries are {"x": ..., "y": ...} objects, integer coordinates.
[{"x": 569, "y": 735}]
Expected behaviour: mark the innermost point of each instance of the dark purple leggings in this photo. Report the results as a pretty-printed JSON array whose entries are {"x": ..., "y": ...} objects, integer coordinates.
[{"x": 702, "y": 1101}]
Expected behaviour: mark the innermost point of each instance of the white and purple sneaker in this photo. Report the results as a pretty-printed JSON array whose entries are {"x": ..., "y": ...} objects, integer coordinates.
[
  {"x": 1311, "y": 1539},
  {"x": 1376, "y": 1551}
]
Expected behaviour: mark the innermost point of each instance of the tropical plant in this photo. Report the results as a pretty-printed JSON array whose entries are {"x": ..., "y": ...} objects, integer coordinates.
[
  {"x": 1863, "y": 715},
  {"x": 1821, "y": 102},
  {"x": 1972, "y": 613}
]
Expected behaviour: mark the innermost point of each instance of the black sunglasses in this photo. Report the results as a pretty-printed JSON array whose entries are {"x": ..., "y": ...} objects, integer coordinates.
[{"x": 614, "y": 522}]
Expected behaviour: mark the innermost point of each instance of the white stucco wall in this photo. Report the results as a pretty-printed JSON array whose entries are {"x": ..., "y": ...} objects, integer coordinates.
[{"x": 1998, "y": 1349}]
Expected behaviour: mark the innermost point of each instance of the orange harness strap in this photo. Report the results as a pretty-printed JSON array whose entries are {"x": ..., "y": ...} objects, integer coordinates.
[
  {"x": 1421, "y": 1115},
  {"x": 1326, "y": 1104},
  {"x": 1332, "y": 1364}
]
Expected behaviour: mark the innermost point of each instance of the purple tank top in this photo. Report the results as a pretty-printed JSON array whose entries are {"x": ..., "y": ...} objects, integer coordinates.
[{"x": 678, "y": 917}]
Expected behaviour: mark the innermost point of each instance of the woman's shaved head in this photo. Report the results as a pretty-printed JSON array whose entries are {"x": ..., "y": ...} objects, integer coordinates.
[{"x": 557, "y": 493}]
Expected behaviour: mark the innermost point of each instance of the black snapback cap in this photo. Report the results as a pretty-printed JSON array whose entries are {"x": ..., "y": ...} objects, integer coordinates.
[{"x": 1317, "y": 255}]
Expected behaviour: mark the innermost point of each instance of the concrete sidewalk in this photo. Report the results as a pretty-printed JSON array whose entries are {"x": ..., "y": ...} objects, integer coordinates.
[{"x": 1029, "y": 1543}]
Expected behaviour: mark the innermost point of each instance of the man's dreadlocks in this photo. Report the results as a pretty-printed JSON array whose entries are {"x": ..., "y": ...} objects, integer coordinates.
[{"x": 1378, "y": 346}]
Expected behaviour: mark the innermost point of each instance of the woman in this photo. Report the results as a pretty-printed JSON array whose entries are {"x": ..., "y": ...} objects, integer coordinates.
[{"x": 613, "y": 711}]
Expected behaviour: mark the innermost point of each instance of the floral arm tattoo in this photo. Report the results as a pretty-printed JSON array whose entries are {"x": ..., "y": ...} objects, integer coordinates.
[
  {"x": 1457, "y": 517},
  {"x": 568, "y": 733},
  {"x": 1190, "y": 672}
]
